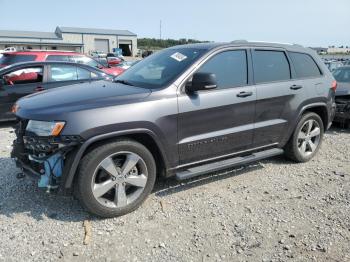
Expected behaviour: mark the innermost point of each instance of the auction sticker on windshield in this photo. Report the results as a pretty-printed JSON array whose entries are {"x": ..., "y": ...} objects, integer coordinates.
[{"x": 178, "y": 56}]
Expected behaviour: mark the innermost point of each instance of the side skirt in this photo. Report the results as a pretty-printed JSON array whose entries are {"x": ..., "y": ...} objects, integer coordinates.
[{"x": 227, "y": 163}]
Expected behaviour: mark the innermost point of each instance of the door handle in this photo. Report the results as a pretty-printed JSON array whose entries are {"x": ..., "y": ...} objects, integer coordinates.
[
  {"x": 39, "y": 88},
  {"x": 296, "y": 87},
  {"x": 244, "y": 94}
]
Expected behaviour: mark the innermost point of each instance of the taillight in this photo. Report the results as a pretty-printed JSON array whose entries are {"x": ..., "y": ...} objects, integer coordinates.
[{"x": 334, "y": 85}]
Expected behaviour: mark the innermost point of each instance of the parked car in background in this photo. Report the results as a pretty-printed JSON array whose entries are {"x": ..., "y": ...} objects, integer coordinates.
[
  {"x": 333, "y": 64},
  {"x": 146, "y": 53},
  {"x": 342, "y": 95},
  {"x": 10, "y": 49},
  {"x": 63, "y": 56},
  {"x": 114, "y": 59},
  {"x": 98, "y": 54},
  {"x": 185, "y": 111},
  {"x": 22, "y": 79},
  {"x": 103, "y": 61},
  {"x": 127, "y": 64}
]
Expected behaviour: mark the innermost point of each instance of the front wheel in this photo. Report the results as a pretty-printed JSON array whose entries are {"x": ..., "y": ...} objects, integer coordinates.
[
  {"x": 306, "y": 139},
  {"x": 114, "y": 179}
]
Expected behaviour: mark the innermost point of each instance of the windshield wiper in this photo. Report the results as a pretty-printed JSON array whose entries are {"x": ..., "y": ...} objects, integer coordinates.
[{"x": 125, "y": 82}]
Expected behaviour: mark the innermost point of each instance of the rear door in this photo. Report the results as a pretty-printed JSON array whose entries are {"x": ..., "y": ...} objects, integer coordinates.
[
  {"x": 218, "y": 122},
  {"x": 277, "y": 95},
  {"x": 18, "y": 83}
]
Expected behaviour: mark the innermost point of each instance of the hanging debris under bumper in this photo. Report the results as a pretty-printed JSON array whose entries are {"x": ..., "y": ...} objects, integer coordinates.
[
  {"x": 342, "y": 114},
  {"x": 43, "y": 158}
]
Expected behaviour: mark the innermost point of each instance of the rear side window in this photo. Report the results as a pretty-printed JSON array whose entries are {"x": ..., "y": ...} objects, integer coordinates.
[
  {"x": 60, "y": 58},
  {"x": 270, "y": 66},
  {"x": 8, "y": 59},
  {"x": 230, "y": 68},
  {"x": 304, "y": 65}
]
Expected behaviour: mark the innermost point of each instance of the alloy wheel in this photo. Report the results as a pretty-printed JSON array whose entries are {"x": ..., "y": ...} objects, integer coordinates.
[
  {"x": 119, "y": 179},
  {"x": 309, "y": 137}
]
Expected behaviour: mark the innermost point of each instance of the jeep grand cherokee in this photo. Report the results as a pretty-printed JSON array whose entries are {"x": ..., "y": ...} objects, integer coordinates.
[{"x": 184, "y": 112}]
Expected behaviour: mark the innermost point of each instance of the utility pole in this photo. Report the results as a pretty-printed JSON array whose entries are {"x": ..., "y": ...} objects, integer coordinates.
[{"x": 160, "y": 30}]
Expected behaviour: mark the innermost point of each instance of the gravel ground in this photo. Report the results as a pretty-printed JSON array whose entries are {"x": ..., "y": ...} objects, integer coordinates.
[{"x": 270, "y": 211}]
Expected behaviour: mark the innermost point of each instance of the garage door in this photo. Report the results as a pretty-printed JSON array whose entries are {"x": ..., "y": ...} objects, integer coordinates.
[{"x": 102, "y": 45}]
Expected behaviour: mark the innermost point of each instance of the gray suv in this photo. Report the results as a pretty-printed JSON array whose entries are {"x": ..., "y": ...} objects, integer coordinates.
[{"x": 184, "y": 112}]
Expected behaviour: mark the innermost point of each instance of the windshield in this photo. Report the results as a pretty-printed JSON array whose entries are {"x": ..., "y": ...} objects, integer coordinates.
[
  {"x": 159, "y": 69},
  {"x": 342, "y": 74},
  {"x": 7, "y": 59}
]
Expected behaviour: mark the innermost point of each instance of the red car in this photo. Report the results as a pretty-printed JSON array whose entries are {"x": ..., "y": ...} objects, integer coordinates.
[{"x": 41, "y": 56}]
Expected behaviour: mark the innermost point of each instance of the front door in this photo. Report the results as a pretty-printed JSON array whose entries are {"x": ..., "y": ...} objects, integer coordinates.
[
  {"x": 19, "y": 83},
  {"x": 63, "y": 75},
  {"x": 218, "y": 122}
]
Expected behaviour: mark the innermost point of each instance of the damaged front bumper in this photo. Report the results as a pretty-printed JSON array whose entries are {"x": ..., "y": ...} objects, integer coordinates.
[
  {"x": 43, "y": 158},
  {"x": 342, "y": 114}
]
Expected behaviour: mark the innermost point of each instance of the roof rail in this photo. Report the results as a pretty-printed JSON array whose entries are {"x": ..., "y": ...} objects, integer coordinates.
[
  {"x": 239, "y": 41},
  {"x": 254, "y": 41}
]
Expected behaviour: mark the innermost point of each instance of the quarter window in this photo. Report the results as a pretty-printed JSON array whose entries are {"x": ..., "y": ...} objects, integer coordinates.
[
  {"x": 304, "y": 65},
  {"x": 24, "y": 76},
  {"x": 83, "y": 74},
  {"x": 230, "y": 68},
  {"x": 270, "y": 66}
]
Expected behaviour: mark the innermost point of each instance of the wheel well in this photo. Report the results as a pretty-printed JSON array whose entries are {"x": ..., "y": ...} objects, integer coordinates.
[
  {"x": 322, "y": 112},
  {"x": 141, "y": 138}
]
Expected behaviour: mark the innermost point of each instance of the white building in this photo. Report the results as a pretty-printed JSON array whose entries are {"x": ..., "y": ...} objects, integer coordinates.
[
  {"x": 338, "y": 50},
  {"x": 83, "y": 40}
]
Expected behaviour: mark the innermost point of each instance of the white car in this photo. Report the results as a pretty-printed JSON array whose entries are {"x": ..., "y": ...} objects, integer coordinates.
[
  {"x": 10, "y": 49},
  {"x": 98, "y": 54}
]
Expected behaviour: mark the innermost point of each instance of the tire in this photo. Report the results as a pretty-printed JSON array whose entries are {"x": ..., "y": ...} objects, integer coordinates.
[
  {"x": 294, "y": 149},
  {"x": 93, "y": 174}
]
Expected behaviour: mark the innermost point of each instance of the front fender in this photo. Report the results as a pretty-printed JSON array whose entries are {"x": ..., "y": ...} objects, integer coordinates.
[{"x": 73, "y": 163}]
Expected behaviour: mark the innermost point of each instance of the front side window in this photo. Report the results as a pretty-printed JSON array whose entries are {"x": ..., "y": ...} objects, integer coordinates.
[
  {"x": 160, "y": 69},
  {"x": 304, "y": 65},
  {"x": 230, "y": 68},
  {"x": 63, "y": 73},
  {"x": 270, "y": 66},
  {"x": 24, "y": 76}
]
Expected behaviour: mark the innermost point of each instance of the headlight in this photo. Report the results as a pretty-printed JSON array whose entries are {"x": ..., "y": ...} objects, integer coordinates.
[{"x": 43, "y": 128}]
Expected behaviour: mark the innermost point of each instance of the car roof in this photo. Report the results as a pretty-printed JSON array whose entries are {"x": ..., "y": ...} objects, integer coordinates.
[
  {"x": 245, "y": 43},
  {"x": 34, "y": 52}
]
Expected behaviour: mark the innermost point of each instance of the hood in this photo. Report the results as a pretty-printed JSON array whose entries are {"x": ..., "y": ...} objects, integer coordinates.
[
  {"x": 343, "y": 89},
  {"x": 78, "y": 97}
]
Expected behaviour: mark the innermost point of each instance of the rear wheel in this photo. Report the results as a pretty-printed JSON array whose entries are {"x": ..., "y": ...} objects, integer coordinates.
[
  {"x": 115, "y": 179},
  {"x": 306, "y": 139}
]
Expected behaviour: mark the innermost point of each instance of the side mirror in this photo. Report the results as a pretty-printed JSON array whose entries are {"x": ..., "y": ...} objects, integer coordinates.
[{"x": 201, "y": 81}]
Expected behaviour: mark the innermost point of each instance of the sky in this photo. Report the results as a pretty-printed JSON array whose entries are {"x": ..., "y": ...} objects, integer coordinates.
[{"x": 306, "y": 22}]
